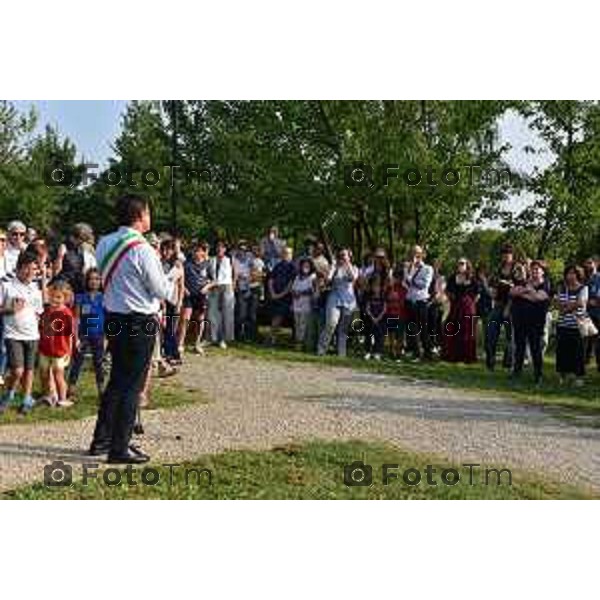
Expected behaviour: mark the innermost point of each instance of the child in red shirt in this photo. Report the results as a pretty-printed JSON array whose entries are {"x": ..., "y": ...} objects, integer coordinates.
[
  {"x": 396, "y": 312},
  {"x": 57, "y": 341}
]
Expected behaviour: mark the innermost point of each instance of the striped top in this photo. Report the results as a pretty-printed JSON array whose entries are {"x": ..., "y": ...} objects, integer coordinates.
[{"x": 565, "y": 295}]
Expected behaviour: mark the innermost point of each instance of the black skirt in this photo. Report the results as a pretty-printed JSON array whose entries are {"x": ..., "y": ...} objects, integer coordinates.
[{"x": 570, "y": 355}]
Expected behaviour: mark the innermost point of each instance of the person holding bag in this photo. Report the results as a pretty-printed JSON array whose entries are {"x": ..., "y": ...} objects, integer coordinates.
[{"x": 572, "y": 301}]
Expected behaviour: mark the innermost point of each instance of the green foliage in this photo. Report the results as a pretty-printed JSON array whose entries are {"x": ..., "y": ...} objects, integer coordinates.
[
  {"x": 564, "y": 218},
  {"x": 263, "y": 162}
]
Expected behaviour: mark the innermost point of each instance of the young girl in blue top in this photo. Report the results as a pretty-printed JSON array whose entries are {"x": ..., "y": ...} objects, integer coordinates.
[{"x": 89, "y": 313}]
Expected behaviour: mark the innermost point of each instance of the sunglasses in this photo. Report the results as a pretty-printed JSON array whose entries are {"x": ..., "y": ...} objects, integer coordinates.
[{"x": 18, "y": 234}]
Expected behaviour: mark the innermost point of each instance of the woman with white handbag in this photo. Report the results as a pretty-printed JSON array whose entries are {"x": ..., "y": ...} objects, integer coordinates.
[{"x": 573, "y": 325}]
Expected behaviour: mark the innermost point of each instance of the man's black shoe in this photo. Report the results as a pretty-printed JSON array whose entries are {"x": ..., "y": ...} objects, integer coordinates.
[
  {"x": 99, "y": 449},
  {"x": 131, "y": 458}
]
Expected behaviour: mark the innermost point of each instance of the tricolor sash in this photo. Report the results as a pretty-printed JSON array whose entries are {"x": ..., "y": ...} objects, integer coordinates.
[{"x": 117, "y": 253}]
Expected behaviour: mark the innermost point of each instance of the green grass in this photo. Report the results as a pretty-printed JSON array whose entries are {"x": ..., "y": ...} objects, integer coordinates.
[
  {"x": 568, "y": 401},
  {"x": 311, "y": 471},
  {"x": 166, "y": 393}
]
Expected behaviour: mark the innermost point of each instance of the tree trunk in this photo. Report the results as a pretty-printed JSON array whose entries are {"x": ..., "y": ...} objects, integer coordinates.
[
  {"x": 417, "y": 225},
  {"x": 390, "y": 228},
  {"x": 360, "y": 241}
]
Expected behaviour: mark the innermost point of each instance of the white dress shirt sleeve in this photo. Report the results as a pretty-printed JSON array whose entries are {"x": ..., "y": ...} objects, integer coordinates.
[{"x": 157, "y": 283}]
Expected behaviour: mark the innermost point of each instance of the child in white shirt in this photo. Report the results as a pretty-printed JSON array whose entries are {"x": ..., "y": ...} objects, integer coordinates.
[{"x": 21, "y": 304}]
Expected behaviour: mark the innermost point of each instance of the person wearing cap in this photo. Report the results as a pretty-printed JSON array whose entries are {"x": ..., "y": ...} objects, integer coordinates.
[
  {"x": 16, "y": 244},
  {"x": 76, "y": 257},
  {"x": 499, "y": 318}
]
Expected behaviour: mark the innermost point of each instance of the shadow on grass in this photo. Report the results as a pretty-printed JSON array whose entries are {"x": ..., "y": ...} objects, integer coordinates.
[{"x": 565, "y": 401}]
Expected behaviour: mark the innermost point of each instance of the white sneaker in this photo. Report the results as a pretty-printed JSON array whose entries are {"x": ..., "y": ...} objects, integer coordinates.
[
  {"x": 222, "y": 345},
  {"x": 367, "y": 356},
  {"x": 65, "y": 403},
  {"x": 579, "y": 382},
  {"x": 377, "y": 356},
  {"x": 1, "y": 380}
]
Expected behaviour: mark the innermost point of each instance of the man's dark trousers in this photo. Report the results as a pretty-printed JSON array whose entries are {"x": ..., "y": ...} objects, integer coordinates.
[
  {"x": 418, "y": 329},
  {"x": 131, "y": 339}
]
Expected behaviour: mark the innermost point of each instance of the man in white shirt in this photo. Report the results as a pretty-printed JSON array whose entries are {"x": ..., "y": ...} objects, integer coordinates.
[
  {"x": 418, "y": 280},
  {"x": 134, "y": 285},
  {"x": 16, "y": 244}
]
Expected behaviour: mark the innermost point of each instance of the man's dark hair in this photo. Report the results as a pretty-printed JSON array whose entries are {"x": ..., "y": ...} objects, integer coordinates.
[
  {"x": 130, "y": 208},
  {"x": 26, "y": 258}
]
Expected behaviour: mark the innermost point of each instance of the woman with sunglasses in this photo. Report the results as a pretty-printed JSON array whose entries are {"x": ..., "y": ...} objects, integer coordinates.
[
  {"x": 15, "y": 245},
  {"x": 460, "y": 329}
]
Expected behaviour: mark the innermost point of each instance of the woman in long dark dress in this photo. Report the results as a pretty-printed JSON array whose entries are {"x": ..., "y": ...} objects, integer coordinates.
[{"x": 460, "y": 329}]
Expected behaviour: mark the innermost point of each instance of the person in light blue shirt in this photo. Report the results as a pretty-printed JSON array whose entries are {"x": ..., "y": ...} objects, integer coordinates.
[
  {"x": 341, "y": 303},
  {"x": 134, "y": 286}
]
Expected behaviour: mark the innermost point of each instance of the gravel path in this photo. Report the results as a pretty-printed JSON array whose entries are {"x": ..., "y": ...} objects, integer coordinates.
[{"x": 258, "y": 404}]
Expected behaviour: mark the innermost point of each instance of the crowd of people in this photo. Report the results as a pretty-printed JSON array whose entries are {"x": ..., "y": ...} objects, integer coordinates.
[{"x": 406, "y": 310}]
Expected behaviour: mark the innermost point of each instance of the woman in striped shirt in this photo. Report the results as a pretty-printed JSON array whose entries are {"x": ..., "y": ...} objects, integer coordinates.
[{"x": 572, "y": 300}]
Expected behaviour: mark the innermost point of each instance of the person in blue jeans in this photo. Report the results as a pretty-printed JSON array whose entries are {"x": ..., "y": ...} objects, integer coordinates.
[
  {"x": 499, "y": 317},
  {"x": 90, "y": 317},
  {"x": 341, "y": 303}
]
